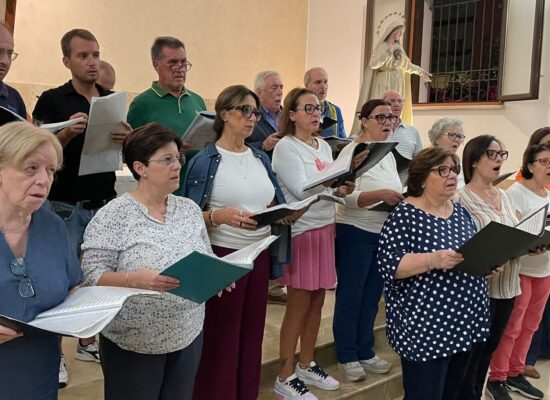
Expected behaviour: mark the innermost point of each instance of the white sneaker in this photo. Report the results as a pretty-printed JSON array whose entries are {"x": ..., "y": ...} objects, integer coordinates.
[
  {"x": 375, "y": 365},
  {"x": 63, "y": 374},
  {"x": 87, "y": 353},
  {"x": 316, "y": 376},
  {"x": 353, "y": 371},
  {"x": 292, "y": 388}
]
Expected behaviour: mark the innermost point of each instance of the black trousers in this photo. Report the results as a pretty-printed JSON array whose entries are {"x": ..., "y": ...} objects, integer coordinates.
[
  {"x": 438, "y": 379},
  {"x": 136, "y": 376},
  {"x": 472, "y": 389}
]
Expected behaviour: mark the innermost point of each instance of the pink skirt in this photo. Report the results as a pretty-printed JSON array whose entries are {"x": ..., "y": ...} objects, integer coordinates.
[{"x": 312, "y": 265}]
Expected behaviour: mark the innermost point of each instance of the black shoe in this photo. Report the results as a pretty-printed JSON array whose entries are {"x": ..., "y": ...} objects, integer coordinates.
[
  {"x": 524, "y": 387},
  {"x": 497, "y": 390}
]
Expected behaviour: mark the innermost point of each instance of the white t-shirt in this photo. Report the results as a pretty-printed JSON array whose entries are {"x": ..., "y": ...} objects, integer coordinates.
[
  {"x": 382, "y": 176},
  {"x": 241, "y": 182},
  {"x": 527, "y": 202},
  {"x": 294, "y": 162}
]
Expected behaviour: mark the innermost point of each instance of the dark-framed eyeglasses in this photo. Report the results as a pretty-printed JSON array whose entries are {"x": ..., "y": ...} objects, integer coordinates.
[
  {"x": 382, "y": 118},
  {"x": 12, "y": 55},
  {"x": 247, "y": 111},
  {"x": 492, "y": 154},
  {"x": 545, "y": 162},
  {"x": 25, "y": 288},
  {"x": 177, "y": 65},
  {"x": 456, "y": 136},
  {"x": 169, "y": 160},
  {"x": 444, "y": 170},
  {"x": 311, "y": 108}
]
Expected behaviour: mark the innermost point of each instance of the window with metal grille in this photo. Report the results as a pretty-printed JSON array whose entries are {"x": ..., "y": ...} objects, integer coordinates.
[{"x": 465, "y": 50}]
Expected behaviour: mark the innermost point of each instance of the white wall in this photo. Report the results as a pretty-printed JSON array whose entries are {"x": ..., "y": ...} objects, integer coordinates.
[{"x": 335, "y": 40}]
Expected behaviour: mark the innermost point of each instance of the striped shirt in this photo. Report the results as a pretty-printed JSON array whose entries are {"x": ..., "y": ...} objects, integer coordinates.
[{"x": 506, "y": 284}]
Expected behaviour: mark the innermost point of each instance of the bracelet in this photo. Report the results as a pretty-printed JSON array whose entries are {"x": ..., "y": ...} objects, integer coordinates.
[
  {"x": 211, "y": 219},
  {"x": 126, "y": 278}
]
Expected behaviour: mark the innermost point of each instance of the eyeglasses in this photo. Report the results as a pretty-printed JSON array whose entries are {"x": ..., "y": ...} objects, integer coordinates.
[
  {"x": 177, "y": 65},
  {"x": 25, "y": 288},
  {"x": 545, "y": 162},
  {"x": 311, "y": 108},
  {"x": 492, "y": 154},
  {"x": 12, "y": 55},
  {"x": 382, "y": 118},
  {"x": 456, "y": 136},
  {"x": 444, "y": 170},
  {"x": 247, "y": 111},
  {"x": 396, "y": 101},
  {"x": 169, "y": 160}
]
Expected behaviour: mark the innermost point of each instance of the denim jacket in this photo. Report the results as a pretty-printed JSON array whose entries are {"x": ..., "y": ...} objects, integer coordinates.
[{"x": 199, "y": 181}]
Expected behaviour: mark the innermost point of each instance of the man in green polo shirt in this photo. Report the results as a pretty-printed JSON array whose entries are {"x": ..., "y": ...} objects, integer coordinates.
[{"x": 167, "y": 101}]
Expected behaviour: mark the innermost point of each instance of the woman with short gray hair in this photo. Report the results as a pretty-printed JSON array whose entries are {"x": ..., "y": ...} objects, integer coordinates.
[{"x": 448, "y": 133}]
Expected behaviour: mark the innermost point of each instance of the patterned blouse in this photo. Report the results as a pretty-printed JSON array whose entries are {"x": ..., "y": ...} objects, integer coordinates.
[
  {"x": 434, "y": 314},
  {"x": 506, "y": 284},
  {"x": 123, "y": 237}
]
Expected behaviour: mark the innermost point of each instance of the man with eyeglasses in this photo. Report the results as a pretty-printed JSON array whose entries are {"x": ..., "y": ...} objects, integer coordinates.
[
  {"x": 316, "y": 80},
  {"x": 168, "y": 101},
  {"x": 9, "y": 97},
  {"x": 76, "y": 198},
  {"x": 268, "y": 85},
  {"x": 407, "y": 136}
]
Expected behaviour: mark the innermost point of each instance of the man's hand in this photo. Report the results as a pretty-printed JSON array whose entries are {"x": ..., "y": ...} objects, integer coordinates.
[
  {"x": 65, "y": 135},
  {"x": 270, "y": 142},
  {"x": 120, "y": 134}
]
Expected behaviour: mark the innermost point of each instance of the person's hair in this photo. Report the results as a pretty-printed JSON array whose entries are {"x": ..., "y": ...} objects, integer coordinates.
[
  {"x": 66, "y": 39},
  {"x": 474, "y": 149},
  {"x": 286, "y": 125},
  {"x": 307, "y": 75},
  {"x": 230, "y": 97},
  {"x": 261, "y": 77},
  {"x": 421, "y": 166},
  {"x": 106, "y": 66},
  {"x": 529, "y": 156},
  {"x": 369, "y": 107},
  {"x": 537, "y": 136},
  {"x": 19, "y": 139},
  {"x": 144, "y": 141},
  {"x": 162, "y": 42},
  {"x": 441, "y": 126}
]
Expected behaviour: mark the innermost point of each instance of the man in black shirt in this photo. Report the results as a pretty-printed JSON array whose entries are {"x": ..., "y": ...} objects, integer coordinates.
[{"x": 77, "y": 198}]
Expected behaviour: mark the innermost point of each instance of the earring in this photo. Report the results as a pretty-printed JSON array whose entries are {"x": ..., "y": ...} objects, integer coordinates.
[{"x": 145, "y": 175}]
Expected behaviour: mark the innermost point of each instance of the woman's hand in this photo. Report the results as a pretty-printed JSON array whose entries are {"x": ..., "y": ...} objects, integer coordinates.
[
  {"x": 444, "y": 259},
  {"x": 150, "y": 279},
  {"x": 359, "y": 158},
  {"x": 539, "y": 250},
  {"x": 228, "y": 289},
  {"x": 495, "y": 271},
  {"x": 426, "y": 76},
  {"x": 347, "y": 188},
  {"x": 234, "y": 217},
  {"x": 7, "y": 334},
  {"x": 294, "y": 215},
  {"x": 390, "y": 197}
]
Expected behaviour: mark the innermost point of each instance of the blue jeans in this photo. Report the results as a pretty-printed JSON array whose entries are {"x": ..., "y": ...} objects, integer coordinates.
[
  {"x": 357, "y": 293},
  {"x": 76, "y": 220}
]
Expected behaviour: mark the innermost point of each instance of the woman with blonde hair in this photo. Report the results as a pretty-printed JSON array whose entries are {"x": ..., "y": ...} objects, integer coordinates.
[{"x": 40, "y": 263}]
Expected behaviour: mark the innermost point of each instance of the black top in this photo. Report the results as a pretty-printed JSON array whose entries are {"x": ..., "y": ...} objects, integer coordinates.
[
  {"x": 11, "y": 99},
  {"x": 56, "y": 105}
]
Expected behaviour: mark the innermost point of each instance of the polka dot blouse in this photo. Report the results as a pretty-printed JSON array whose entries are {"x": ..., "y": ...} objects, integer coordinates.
[{"x": 438, "y": 313}]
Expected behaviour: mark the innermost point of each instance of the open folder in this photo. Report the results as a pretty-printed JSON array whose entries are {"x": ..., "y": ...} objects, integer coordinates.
[
  {"x": 342, "y": 169},
  {"x": 200, "y": 132},
  {"x": 496, "y": 243},
  {"x": 84, "y": 313},
  {"x": 273, "y": 214},
  {"x": 202, "y": 275}
]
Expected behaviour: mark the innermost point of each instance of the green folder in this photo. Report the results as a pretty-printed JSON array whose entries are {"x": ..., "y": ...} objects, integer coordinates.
[{"x": 202, "y": 276}]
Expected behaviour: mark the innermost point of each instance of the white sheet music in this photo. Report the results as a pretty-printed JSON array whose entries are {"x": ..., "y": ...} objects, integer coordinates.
[
  {"x": 200, "y": 132},
  {"x": 57, "y": 126},
  {"x": 245, "y": 257},
  {"x": 534, "y": 223},
  {"x": 340, "y": 166},
  {"x": 100, "y": 153}
]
